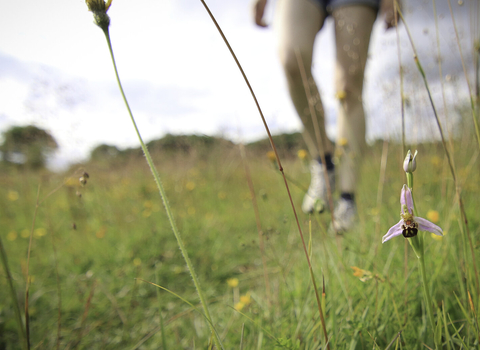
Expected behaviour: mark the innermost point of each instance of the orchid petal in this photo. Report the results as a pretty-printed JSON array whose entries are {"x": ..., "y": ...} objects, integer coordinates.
[
  {"x": 394, "y": 231},
  {"x": 406, "y": 199},
  {"x": 425, "y": 225}
]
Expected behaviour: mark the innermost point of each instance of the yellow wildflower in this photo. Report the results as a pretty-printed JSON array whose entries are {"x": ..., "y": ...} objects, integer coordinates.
[
  {"x": 101, "y": 232},
  {"x": 357, "y": 272},
  {"x": 11, "y": 236},
  {"x": 245, "y": 299},
  {"x": 302, "y": 154},
  {"x": 341, "y": 95},
  {"x": 239, "y": 306},
  {"x": 342, "y": 141},
  {"x": 271, "y": 156},
  {"x": 232, "y": 282},
  {"x": 39, "y": 232},
  {"x": 137, "y": 262},
  {"x": 12, "y": 195},
  {"x": 433, "y": 216},
  {"x": 363, "y": 275},
  {"x": 436, "y": 161}
]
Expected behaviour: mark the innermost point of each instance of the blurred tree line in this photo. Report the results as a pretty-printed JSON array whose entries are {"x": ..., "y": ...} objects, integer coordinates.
[{"x": 27, "y": 146}]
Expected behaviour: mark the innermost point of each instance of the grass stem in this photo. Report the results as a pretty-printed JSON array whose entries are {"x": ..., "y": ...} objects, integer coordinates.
[
  {"x": 267, "y": 129},
  {"x": 165, "y": 201},
  {"x": 13, "y": 294}
]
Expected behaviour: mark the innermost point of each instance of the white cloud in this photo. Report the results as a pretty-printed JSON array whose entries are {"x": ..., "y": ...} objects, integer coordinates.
[{"x": 180, "y": 77}]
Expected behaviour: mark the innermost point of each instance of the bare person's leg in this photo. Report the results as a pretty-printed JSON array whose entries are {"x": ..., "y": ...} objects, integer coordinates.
[
  {"x": 297, "y": 24},
  {"x": 353, "y": 26}
]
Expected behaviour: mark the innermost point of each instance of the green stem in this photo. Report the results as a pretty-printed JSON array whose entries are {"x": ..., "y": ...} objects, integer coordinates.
[
  {"x": 428, "y": 298},
  {"x": 410, "y": 181},
  {"x": 165, "y": 201},
  {"x": 417, "y": 244},
  {"x": 21, "y": 330}
]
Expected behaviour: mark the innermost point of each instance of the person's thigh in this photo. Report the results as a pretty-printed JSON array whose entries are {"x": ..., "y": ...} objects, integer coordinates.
[
  {"x": 353, "y": 26},
  {"x": 297, "y": 23}
]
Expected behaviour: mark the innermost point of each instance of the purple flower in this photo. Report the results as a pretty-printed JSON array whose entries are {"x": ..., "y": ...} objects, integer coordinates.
[{"x": 409, "y": 224}]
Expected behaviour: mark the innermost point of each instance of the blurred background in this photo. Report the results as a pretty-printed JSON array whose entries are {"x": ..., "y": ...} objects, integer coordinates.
[{"x": 56, "y": 72}]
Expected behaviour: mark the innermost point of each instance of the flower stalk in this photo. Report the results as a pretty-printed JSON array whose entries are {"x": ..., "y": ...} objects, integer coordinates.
[
  {"x": 408, "y": 226},
  {"x": 103, "y": 21},
  {"x": 419, "y": 242}
]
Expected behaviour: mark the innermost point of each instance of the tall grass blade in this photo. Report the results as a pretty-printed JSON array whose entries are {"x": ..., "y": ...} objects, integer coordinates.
[
  {"x": 27, "y": 270},
  {"x": 59, "y": 293},
  {"x": 185, "y": 301},
  {"x": 13, "y": 295},
  {"x": 164, "y": 199},
  {"x": 312, "y": 276},
  {"x": 472, "y": 308},
  {"x": 393, "y": 340},
  {"x": 457, "y": 333},
  {"x": 261, "y": 242},
  {"x": 447, "y": 334},
  {"x": 159, "y": 298},
  {"x": 241, "y": 336}
]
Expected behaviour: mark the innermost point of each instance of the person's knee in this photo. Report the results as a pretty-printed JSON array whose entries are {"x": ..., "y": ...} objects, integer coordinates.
[
  {"x": 349, "y": 83},
  {"x": 291, "y": 60}
]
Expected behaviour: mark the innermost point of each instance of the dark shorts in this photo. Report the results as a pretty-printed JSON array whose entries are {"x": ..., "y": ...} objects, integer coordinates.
[{"x": 330, "y": 5}]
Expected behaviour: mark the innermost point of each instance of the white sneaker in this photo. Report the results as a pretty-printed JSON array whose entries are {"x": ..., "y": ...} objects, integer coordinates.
[
  {"x": 344, "y": 216},
  {"x": 316, "y": 198}
]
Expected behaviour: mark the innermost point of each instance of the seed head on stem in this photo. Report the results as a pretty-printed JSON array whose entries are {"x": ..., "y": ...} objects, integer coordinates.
[{"x": 99, "y": 9}]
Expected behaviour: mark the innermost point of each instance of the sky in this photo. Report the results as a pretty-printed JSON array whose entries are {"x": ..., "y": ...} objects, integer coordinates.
[{"x": 56, "y": 72}]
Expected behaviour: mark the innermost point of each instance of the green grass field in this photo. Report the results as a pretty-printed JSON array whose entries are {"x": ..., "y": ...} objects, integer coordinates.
[{"x": 92, "y": 244}]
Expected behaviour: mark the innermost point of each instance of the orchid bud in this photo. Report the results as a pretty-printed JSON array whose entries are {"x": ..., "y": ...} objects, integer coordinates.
[{"x": 410, "y": 164}]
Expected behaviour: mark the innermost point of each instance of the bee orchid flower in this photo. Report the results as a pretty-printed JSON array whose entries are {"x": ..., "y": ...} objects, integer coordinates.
[{"x": 409, "y": 225}]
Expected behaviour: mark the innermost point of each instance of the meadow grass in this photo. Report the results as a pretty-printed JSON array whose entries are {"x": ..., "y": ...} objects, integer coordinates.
[
  {"x": 104, "y": 270},
  {"x": 122, "y": 233}
]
